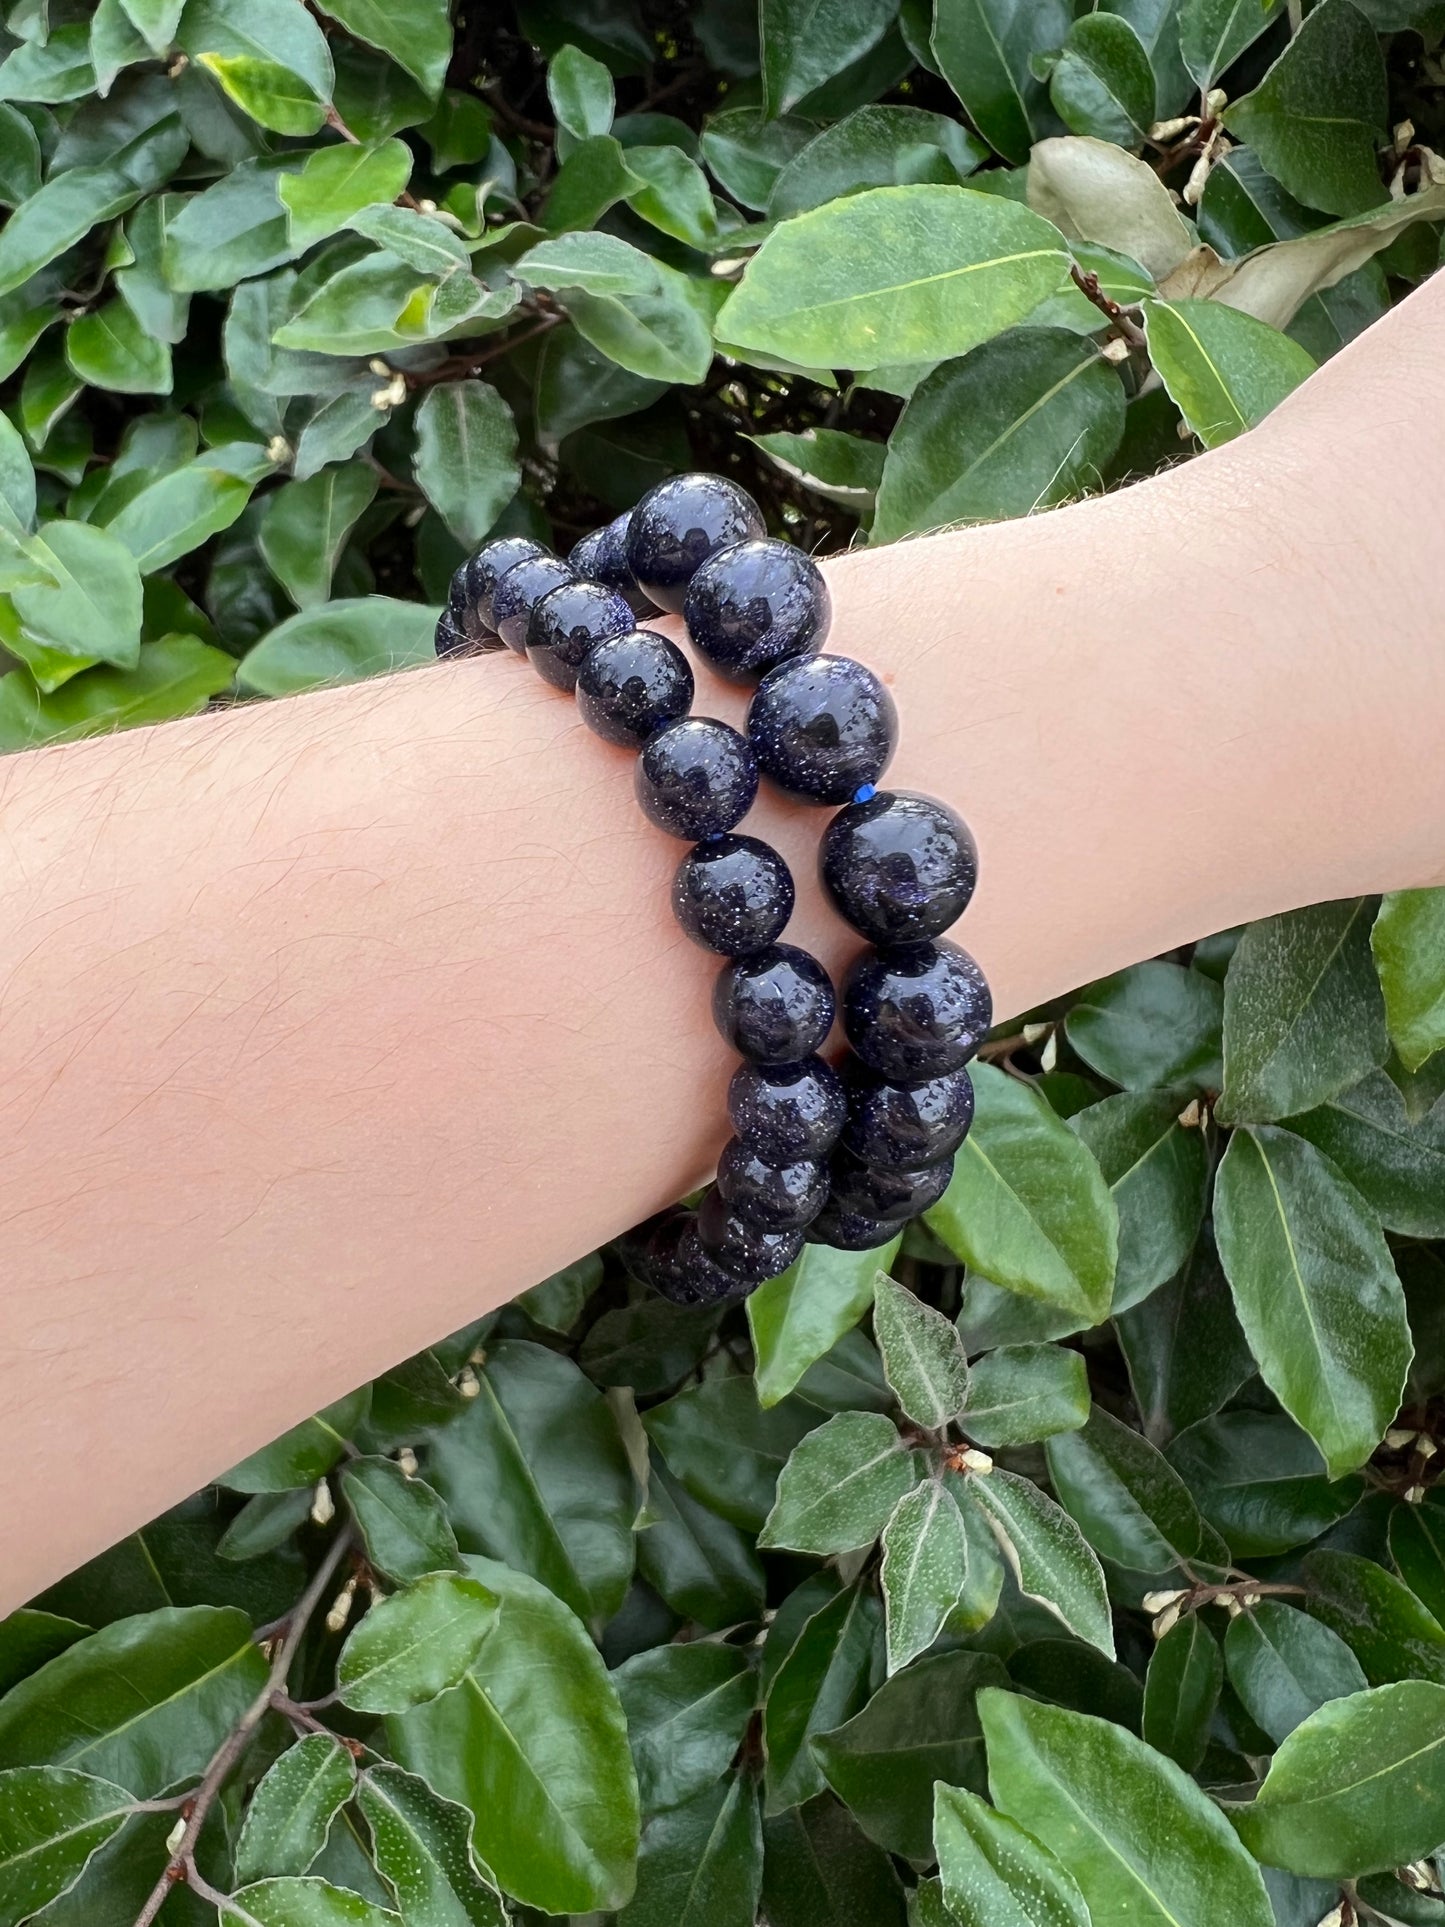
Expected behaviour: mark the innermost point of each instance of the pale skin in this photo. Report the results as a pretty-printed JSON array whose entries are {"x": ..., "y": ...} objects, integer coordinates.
[{"x": 326, "y": 1026}]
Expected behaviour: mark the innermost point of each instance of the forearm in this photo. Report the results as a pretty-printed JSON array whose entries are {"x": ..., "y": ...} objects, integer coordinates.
[{"x": 329, "y": 1025}]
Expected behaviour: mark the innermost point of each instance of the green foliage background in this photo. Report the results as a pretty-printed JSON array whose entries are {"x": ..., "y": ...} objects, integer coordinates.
[{"x": 1086, "y": 1563}]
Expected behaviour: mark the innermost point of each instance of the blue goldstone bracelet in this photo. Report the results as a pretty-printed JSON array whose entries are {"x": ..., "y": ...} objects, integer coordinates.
[{"x": 842, "y": 1156}]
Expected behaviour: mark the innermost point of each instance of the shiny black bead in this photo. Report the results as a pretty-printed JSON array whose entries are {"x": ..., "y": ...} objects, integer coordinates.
[
  {"x": 755, "y": 605},
  {"x": 451, "y": 635},
  {"x": 696, "y": 778},
  {"x": 631, "y": 686},
  {"x": 678, "y": 524},
  {"x": 888, "y": 1197},
  {"x": 900, "y": 867},
  {"x": 822, "y": 727},
  {"x": 482, "y": 572},
  {"x": 602, "y": 557},
  {"x": 779, "y": 1197},
  {"x": 902, "y": 1128},
  {"x": 847, "y": 1231},
  {"x": 917, "y": 1012},
  {"x": 520, "y": 590},
  {"x": 787, "y": 1111},
  {"x": 733, "y": 894},
  {"x": 740, "y": 1246},
  {"x": 675, "y": 1265},
  {"x": 567, "y": 623},
  {"x": 774, "y": 1007}
]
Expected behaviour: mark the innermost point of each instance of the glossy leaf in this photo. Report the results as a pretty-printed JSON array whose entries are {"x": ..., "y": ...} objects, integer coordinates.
[
  {"x": 70, "y": 204},
  {"x": 336, "y": 183},
  {"x": 580, "y": 90},
  {"x": 825, "y": 1678},
  {"x": 993, "y": 1873},
  {"x": 1102, "y": 83},
  {"x": 271, "y": 59},
  {"x": 702, "y": 1565},
  {"x": 417, "y": 37},
  {"x": 1133, "y": 1506},
  {"x": 726, "y": 1449},
  {"x": 1223, "y": 369},
  {"x": 840, "y": 1485},
  {"x": 820, "y": 1870},
  {"x": 1020, "y": 1394},
  {"x": 415, "y": 1644},
  {"x": 1181, "y": 1691},
  {"x": 1408, "y": 940},
  {"x": 108, "y": 348},
  {"x": 841, "y": 468},
  {"x": 403, "y": 1523},
  {"x": 348, "y": 638},
  {"x": 1185, "y": 1351},
  {"x": 664, "y": 335},
  {"x": 1214, "y": 33},
  {"x": 177, "y": 513},
  {"x": 291, "y": 1811},
  {"x": 305, "y": 527},
  {"x": 304, "y": 1454},
  {"x": 798, "y": 1317},
  {"x": 1260, "y": 1481},
  {"x": 687, "y": 1708},
  {"x": 1047, "y": 1554},
  {"x": 1417, "y": 1546},
  {"x": 923, "y": 1356},
  {"x": 803, "y": 46},
  {"x": 422, "y": 1847},
  {"x": 1158, "y": 1172},
  {"x": 52, "y": 1821},
  {"x": 924, "y": 1570},
  {"x": 466, "y": 457},
  {"x": 1386, "y": 1627},
  {"x": 984, "y": 49},
  {"x": 304, "y": 1902},
  {"x": 1398, "y": 1167},
  {"x": 1285, "y": 1666},
  {"x": 91, "y": 608},
  {"x": 701, "y": 1865}
]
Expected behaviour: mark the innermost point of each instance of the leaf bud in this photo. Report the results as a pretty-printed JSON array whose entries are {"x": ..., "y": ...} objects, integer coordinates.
[
  {"x": 972, "y": 1460},
  {"x": 406, "y": 1460},
  {"x": 176, "y": 1835},
  {"x": 341, "y": 1607},
  {"x": 1166, "y": 1622},
  {"x": 323, "y": 1506},
  {"x": 1155, "y": 1602},
  {"x": 467, "y": 1382}
]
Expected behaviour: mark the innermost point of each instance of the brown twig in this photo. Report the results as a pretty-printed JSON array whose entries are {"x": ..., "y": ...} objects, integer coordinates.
[{"x": 1088, "y": 285}]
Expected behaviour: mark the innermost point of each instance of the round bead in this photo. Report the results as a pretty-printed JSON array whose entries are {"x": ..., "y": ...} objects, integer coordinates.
[
  {"x": 888, "y": 1197},
  {"x": 788, "y": 1111},
  {"x": 696, "y": 778},
  {"x": 822, "y": 726},
  {"x": 602, "y": 557},
  {"x": 451, "y": 635},
  {"x": 633, "y": 685},
  {"x": 774, "y": 1007},
  {"x": 520, "y": 590},
  {"x": 483, "y": 571},
  {"x": 846, "y": 1231},
  {"x": 695, "y": 1277},
  {"x": 567, "y": 623},
  {"x": 902, "y": 1128},
  {"x": 900, "y": 867},
  {"x": 916, "y": 1013},
  {"x": 733, "y": 895},
  {"x": 757, "y": 604},
  {"x": 678, "y": 524},
  {"x": 747, "y": 1250},
  {"x": 779, "y": 1197}
]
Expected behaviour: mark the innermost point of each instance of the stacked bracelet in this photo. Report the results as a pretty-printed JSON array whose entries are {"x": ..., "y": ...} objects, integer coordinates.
[{"x": 844, "y": 1156}]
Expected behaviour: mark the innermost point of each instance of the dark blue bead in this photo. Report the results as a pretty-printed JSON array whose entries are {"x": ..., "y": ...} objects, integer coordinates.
[
  {"x": 747, "y": 1250},
  {"x": 602, "y": 557},
  {"x": 451, "y": 636},
  {"x": 520, "y": 590},
  {"x": 787, "y": 1111},
  {"x": 847, "y": 1231},
  {"x": 631, "y": 686},
  {"x": 482, "y": 572},
  {"x": 888, "y": 1197},
  {"x": 672, "y": 1261},
  {"x": 902, "y": 1128},
  {"x": 821, "y": 726},
  {"x": 916, "y": 1013},
  {"x": 779, "y": 1197},
  {"x": 733, "y": 895},
  {"x": 696, "y": 778},
  {"x": 900, "y": 868},
  {"x": 755, "y": 605},
  {"x": 567, "y": 623},
  {"x": 775, "y": 1007},
  {"x": 677, "y": 525}
]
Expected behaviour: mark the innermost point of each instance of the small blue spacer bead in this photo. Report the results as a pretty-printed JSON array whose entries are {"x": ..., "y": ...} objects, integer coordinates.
[{"x": 865, "y": 792}]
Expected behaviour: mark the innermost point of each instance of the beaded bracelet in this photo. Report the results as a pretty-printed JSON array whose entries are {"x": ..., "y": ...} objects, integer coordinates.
[{"x": 844, "y": 1156}]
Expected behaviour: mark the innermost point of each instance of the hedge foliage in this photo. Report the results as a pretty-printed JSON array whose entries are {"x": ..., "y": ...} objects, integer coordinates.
[{"x": 1085, "y": 1563}]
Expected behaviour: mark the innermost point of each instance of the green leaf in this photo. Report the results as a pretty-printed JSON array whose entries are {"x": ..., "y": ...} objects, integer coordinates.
[
  {"x": 1020, "y": 1394},
  {"x": 305, "y": 526},
  {"x": 1133, "y": 1506},
  {"x": 701, "y": 1865},
  {"x": 51, "y": 69},
  {"x": 580, "y": 90},
  {"x": 820, "y": 1870},
  {"x": 841, "y": 468},
  {"x": 1022, "y": 423},
  {"x": 340, "y": 428},
  {"x": 29, "y": 1637},
  {"x": 265, "y": 1521},
  {"x": 52, "y": 1820},
  {"x": 727, "y": 1449},
  {"x": 534, "y": 1472},
  {"x": 705, "y": 1568},
  {"x": 556, "y": 1304},
  {"x": 381, "y": 304},
  {"x": 798, "y": 1317},
  {"x": 824, "y": 1679},
  {"x": 1214, "y": 33},
  {"x": 292, "y": 1809},
  {"x": 1398, "y": 1167},
  {"x": 303, "y": 1903},
  {"x": 746, "y": 152},
  {"x": 865, "y": 302},
  {"x": 993, "y": 1873},
  {"x": 1260, "y": 1481},
  {"x": 923, "y": 1356},
  {"x": 1102, "y": 83},
  {"x": 336, "y": 183},
  {"x": 403, "y": 1523},
  {"x": 418, "y": 37},
  {"x": 156, "y": 22},
  {"x": 145, "y": 1702},
  {"x": 674, "y": 196},
  {"x": 19, "y": 158},
  {"x": 840, "y": 1485},
  {"x": 340, "y": 642},
  {"x": 1315, "y": 1289},
  {"x": 650, "y": 1346},
  {"x": 1093, "y": 191},
  {"x": 1303, "y": 1015},
  {"x": 94, "y": 608},
  {"x": 593, "y": 178},
  {"x": 70, "y": 204},
  {"x": 161, "y": 312},
  {"x": 17, "y": 481},
  {"x": 663, "y": 336},
  {"x": 1382, "y": 1622},
  {"x": 1285, "y": 1666},
  {"x": 108, "y": 348},
  {"x": 1224, "y": 370},
  {"x": 984, "y": 49},
  {"x": 874, "y": 147},
  {"x": 1158, "y": 1172},
  {"x": 175, "y": 676},
  {"x": 1417, "y": 1546},
  {"x": 1028, "y": 1206},
  {"x": 1047, "y": 1554},
  {"x": 920, "y": 1726},
  {"x": 1318, "y": 115},
  {"x": 182, "y": 510},
  {"x": 420, "y": 240},
  {"x": 1140, "y": 1838},
  {"x": 422, "y": 1847},
  {"x": 687, "y": 1708},
  {"x": 235, "y": 228},
  {"x": 415, "y": 1644},
  {"x": 1408, "y": 940},
  {"x": 533, "y": 1743},
  {"x": 924, "y": 1570},
  {"x": 466, "y": 456},
  {"x": 803, "y": 45},
  {"x": 1181, "y": 1691},
  {"x": 595, "y": 263},
  {"x": 270, "y": 58},
  {"x": 1357, "y": 1788},
  {"x": 304, "y": 1454}
]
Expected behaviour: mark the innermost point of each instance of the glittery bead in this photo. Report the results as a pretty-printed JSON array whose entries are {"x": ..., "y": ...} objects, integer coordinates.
[
  {"x": 904, "y": 1127},
  {"x": 888, "y": 1197},
  {"x": 633, "y": 685},
  {"x": 846, "y": 1231},
  {"x": 520, "y": 590},
  {"x": 774, "y": 1007},
  {"x": 916, "y": 1012},
  {"x": 733, "y": 894},
  {"x": 779, "y": 1197},
  {"x": 602, "y": 557},
  {"x": 899, "y": 867},
  {"x": 483, "y": 571},
  {"x": 785, "y": 1112},
  {"x": 740, "y": 1246},
  {"x": 696, "y": 778},
  {"x": 821, "y": 726},
  {"x": 567, "y": 623},
  {"x": 754, "y": 605},
  {"x": 678, "y": 524}
]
